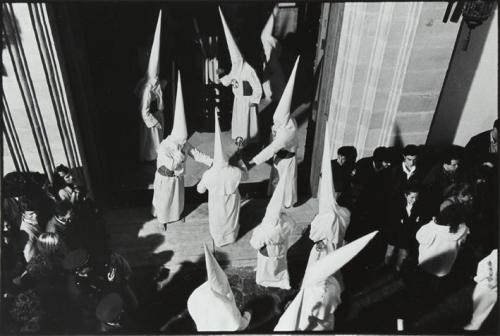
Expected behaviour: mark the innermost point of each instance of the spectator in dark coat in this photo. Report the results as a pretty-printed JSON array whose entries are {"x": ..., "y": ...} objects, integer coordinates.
[
  {"x": 367, "y": 168},
  {"x": 400, "y": 175},
  {"x": 342, "y": 168},
  {"x": 442, "y": 176},
  {"x": 405, "y": 216},
  {"x": 483, "y": 147}
]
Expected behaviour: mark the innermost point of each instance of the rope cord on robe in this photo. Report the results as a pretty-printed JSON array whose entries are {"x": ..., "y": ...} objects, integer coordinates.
[
  {"x": 41, "y": 40},
  {"x": 12, "y": 138},
  {"x": 27, "y": 92}
]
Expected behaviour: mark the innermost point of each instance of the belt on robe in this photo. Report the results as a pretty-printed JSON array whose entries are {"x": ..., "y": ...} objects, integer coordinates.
[
  {"x": 164, "y": 171},
  {"x": 284, "y": 154}
]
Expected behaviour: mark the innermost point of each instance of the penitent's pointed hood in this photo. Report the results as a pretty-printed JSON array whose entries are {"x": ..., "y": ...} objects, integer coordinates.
[
  {"x": 154, "y": 56},
  {"x": 219, "y": 157},
  {"x": 282, "y": 113},
  {"x": 326, "y": 192},
  {"x": 234, "y": 51},
  {"x": 179, "y": 129}
]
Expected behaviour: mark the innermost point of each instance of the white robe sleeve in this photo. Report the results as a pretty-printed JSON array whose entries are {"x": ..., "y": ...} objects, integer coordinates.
[
  {"x": 256, "y": 87},
  {"x": 268, "y": 152},
  {"x": 147, "y": 116},
  {"x": 201, "y": 187},
  {"x": 226, "y": 80},
  {"x": 198, "y": 156}
]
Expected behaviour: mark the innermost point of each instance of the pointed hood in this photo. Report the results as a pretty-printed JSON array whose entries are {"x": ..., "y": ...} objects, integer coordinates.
[
  {"x": 269, "y": 27},
  {"x": 216, "y": 277},
  {"x": 234, "y": 52},
  {"x": 326, "y": 192},
  {"x": 219, "y": 157},
  {"x": 334, "y": 261},
  {"x": 179, "y": 130},
  {"x": 154, "y": 56},
  {"x": 282, "y": 113},
  {"x": 267, "y": 38},
  {"x": 290, "y": 319},
  {"x": 275, "y": 204}
]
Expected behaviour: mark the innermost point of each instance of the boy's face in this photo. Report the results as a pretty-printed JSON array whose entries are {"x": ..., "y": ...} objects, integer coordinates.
[
  {"x": 411, "y": 197},
  {"x": 341, "y": 159},
  {"x": 452, "y": 166},
  {"x": 410, "y": 161}
]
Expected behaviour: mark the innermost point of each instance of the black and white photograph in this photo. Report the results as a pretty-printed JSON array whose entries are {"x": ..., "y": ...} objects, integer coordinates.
[{"x": 253, "y": 167}]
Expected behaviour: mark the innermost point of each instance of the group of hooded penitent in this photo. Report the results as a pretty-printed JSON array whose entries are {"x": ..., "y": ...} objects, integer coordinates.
[{"x": 212, "y": 305}]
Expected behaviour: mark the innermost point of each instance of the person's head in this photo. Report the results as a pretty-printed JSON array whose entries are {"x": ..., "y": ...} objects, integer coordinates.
[
  {"x": 78, "y": 261},
  {"x": 27, "y": 306},
  {"x": 48, "y": 243},
  {"x": 39, "y": 267},
  {"x": 64, "y": 173},
  {"x": 462, "y": 191},
  {"x": 64, "y": 211},
  {"x": 494, "y": 131},
  {"x": 410, "y": 154},
  {"x": 342, "y": 155},
  {"x": 381, "y": 157},
  {"x": 411, "y": 193},
  {"x": 452, "y": 216},
  {"x": 110, "y": 309},
  {"x": 451, "y": 161},
  {"x": 28, "y": 208}
]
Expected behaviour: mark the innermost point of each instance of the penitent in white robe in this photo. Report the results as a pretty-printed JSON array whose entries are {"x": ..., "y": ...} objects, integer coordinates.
[
  {"x": 244, "y": 122},
  {"x": 214, "y": 312},
  {"x": 272, "y": 270},
  {"x": 485, "y": 294},
  {"x": 329, "y": 229},
  {"x": 223, "y": 202},
  {"x": 168, "y": 196},
  {"x": 152, "y": 114},
  {"x": 286, "y": 139}
]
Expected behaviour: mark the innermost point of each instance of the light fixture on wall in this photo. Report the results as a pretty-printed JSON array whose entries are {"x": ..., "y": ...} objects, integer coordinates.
[{"x": 474, "y": 13}]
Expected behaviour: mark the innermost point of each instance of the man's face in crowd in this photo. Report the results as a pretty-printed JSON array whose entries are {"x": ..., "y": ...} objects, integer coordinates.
[
  {"x": 30, "y": 214},
  {"x": 411, "y": 197},
  {"x": 452, "y": 166},
  {"x": 341, "y": 159},
  {"x": 410, "y": 161}
]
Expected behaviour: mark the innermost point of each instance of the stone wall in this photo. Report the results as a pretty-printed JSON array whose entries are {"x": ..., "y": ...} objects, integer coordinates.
[
  {"x": 391, "y": 65},
  {"x": 469, "y": 100}
]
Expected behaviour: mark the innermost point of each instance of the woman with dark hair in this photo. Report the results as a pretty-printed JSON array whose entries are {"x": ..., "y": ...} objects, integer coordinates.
[{"x": 441, "y": 239}]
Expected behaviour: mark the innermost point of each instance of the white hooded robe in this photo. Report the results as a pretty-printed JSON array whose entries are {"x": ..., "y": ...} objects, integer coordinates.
[
  {"x": 223, "y": 202},
  {"x": 244, "y": 122},
  {"x": 272, "y": 270}
]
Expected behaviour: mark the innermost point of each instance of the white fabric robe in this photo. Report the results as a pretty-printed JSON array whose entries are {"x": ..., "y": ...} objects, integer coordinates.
[
  {"x": 152, "y": 114},
  {"x": 330, "y": 229},
  {"x": 168, "y": 196},
  {"x": 438, "y": 247},
  {"x": 272, "y": 270},
  {"x": 213, "y": 312},
  {"x": 285, "y": 138},
  {"x": 223, "y": 202},
  {"x": 244, "y": 121},
  {"x": 484, "y": 296}
]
